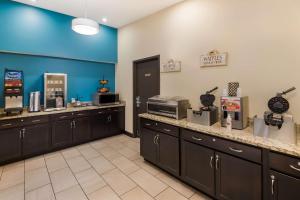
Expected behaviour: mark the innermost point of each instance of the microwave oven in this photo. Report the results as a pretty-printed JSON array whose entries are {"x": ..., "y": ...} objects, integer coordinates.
[{"x": 100, "y": 99}]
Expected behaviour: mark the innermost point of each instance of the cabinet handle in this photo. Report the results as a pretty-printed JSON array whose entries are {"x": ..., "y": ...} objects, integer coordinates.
[
  {"x": 71, "y": 124},
  {"x": 3, "y": 125},
  {"x": 272, "y": 184},
  {"x": 154, "y": 139},
  {"x": 157, "y": 140},
  {"x": 37, "y": 120},
  {"x": 80, "y": 114},
  {"x": 217, "y": 162},
  {"x": 23, "y": 130},
  {"x": 167, "y": 130},
  {"x": 74, "y": 124},
  {"x": 235, "y": 150},
  {"x": 62, "y": 117},
  {"x": 295, "y": 168},
  {"x": 211, "y": 161},
  {"x": 20, "y": 134},
  {"x": 196, "y": 138},
  {"x": 101, "y": 112},
  {"x": 147, "y": 124}
]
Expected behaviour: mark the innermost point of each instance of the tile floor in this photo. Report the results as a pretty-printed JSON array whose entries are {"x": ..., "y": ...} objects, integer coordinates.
[{"x": 108, "y": 169}]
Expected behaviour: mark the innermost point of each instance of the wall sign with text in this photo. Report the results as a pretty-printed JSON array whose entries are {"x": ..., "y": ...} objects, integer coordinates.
[{"x": 213, "y": 58}]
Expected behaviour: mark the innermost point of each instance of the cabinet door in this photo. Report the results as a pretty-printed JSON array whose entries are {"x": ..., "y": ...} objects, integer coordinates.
[
  {"x": 237, "y": 179},
  {"x": 36, "y": 139},
  {"x": 197, "y": 164},
  {"x": 148, "y": 145},
  {"x": 114, "y": 123},
  {"x": 168, "y": 153},
  {"x": 99, "y": 124},
  {"x": 284, "y": 187},
  {"x": 81, "y": 130},
  {"x": 62, "y": 133},
  {"x": 10, "y": 144}
]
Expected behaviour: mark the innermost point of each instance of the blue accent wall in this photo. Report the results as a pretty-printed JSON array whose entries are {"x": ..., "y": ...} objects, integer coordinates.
[
  {"x": 33, "y": 31},
  {"x": 82, "y": 76}
]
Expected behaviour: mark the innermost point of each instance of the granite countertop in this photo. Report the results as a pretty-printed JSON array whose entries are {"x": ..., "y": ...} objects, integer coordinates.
[
  {"x": 244, "y": 136},
  {"x": 25, "y": 113}
]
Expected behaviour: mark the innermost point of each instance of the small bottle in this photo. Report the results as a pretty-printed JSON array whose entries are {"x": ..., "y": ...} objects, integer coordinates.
[{"x": 229, "y": 123}]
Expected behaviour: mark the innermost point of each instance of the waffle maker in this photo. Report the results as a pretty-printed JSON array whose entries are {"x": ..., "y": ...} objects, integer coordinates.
[
  {"x": 278, "y": 106},
  {"x": 208, "y": 114}
]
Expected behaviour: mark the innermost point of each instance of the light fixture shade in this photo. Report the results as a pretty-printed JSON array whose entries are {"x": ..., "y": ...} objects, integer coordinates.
[{"x": 85, "y": 26}]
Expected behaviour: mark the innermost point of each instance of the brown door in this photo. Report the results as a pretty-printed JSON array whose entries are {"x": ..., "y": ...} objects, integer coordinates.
[{"x": 146, "y": 84}]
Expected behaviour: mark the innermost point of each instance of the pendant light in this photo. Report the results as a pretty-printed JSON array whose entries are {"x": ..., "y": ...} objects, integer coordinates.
[{"x": 85, "y": 26}]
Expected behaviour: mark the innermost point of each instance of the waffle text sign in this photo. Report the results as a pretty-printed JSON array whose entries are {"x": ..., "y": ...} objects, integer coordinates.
[{"x": 214, "y": 58}]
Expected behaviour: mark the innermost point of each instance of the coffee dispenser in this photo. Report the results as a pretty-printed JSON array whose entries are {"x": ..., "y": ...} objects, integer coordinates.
[{"x": 237, "y": 108}]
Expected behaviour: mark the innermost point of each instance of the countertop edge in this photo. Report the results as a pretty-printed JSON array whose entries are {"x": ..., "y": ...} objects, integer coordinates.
[
  {"x": 242, "y": 136},
  {"x": 26, "y": 114}
]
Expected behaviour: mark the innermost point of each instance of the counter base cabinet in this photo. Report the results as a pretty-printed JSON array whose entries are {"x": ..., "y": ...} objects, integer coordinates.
[
  {"x": 284, "y": 187},
  {"x": 62, "y": 133},
  {"x": 237, "y": 179},
  {"x": 36, "y": 139},
  {"x": 81, "y": 130},
  {"x": 148, "y": 146},
  {"x": 168, "y": 153},
  {"x": 197, "y": 167},
  {"x": 10, "y": 144}
]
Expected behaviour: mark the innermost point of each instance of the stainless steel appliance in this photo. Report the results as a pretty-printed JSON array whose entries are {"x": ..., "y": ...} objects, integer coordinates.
[
  {"x": 286, "y": 134},
  {"x": 173, "y": 107},
  {"x": 13, "y": 91},
  {"x": 100, "y": 99},
  {"x": 35, "y": 102},
  {"x": 208, "y": 114},
  {"x": 55, "y": 91},
  {"x": 238, "y": 109}
]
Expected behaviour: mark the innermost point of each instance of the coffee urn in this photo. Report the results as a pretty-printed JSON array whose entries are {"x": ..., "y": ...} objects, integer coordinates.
[{"x": 35, "y": 102}]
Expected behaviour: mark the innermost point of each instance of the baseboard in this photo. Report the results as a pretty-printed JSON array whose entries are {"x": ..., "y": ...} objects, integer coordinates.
[{"x": 129, "y": 134}]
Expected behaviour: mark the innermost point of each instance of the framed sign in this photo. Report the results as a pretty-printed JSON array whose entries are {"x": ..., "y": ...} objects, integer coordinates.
[
  {"x": 213, "y": 59},
  {"x": 171, "y": 66}
]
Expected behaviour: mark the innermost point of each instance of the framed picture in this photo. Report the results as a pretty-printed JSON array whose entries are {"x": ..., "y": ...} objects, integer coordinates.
[
  {"x": 171, "y": 66},
  {"x": 213, "y": 59}
]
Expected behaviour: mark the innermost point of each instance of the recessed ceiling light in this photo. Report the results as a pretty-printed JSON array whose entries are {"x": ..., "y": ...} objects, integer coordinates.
[
  {"x": 34, "y": 1},
  {"x": 104, "y": 19}
]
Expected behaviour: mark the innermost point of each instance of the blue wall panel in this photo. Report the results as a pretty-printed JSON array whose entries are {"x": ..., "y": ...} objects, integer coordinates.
[
  {"x": 82, "y": 76},
  {"x": 32, "y": 30}
]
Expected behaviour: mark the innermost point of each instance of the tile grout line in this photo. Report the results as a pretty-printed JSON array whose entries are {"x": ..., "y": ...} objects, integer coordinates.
[
  {"x": 74, "y": 176},
  {"x": 49, "y": 177}
]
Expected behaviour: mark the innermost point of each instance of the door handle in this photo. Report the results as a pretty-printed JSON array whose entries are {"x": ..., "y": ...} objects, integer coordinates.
[
  {"x": 157, "y": 140},
  {"x": 211, "y": 161},
  {"x": 235, "y": 150},
  {"x": 196, "y": 138},
  {"x": 272, "y": 184},
  {"x": 217, "y": 162},
  {"x": 138, "y": 101},
  {"x": 154, "y": 139},
  {"x": 295, "y": 168}
]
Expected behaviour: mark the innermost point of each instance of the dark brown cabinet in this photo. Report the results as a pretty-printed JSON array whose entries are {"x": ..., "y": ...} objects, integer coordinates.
[
  {"x": 62, "y": 133},
  {"x": 10, "y": 144},
  {"x": 237, "y": 178},
  {"x": 36, "y": 139},
  {"x": 106, "y": 123},
  {"x": 197, "y": 166},
  {"x": 168, "y": 153},
  {"x": 81, "y": 130},
  {"x": 160, "y": 148},
  {"x": 284, "y": 187}
]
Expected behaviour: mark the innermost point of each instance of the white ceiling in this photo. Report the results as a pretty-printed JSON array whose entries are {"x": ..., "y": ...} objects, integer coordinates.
[{"x": 118, "y": 12}]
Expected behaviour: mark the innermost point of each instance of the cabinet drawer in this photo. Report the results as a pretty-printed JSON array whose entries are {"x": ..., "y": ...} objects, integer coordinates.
[
  {"x": 161, "y": 127},
  {"x": 285, "y": 164},
  {"x": 239, "y": 150},
  {"x": 34, "y": 120},
  {"x": 81, "y": 114},
  {"x": 9, "y": 123},
  {"x": 62, "y": 116},
  {"x": 198, "y": 138}
]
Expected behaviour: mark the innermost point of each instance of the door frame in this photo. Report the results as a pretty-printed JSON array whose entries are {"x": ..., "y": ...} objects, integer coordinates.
[{"x": 135, "y": 64}]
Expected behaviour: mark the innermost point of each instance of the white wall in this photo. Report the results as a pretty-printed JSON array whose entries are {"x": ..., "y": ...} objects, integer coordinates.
[{"x": 262, "y": 38}]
